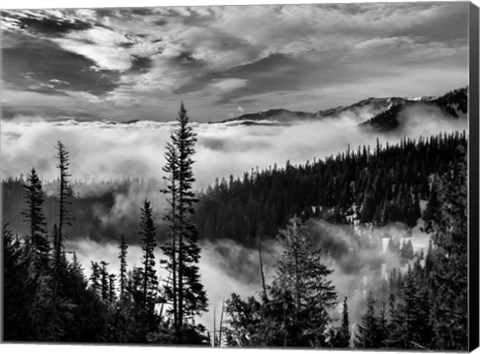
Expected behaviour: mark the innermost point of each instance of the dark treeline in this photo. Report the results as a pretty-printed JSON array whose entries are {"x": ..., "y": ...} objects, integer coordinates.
[{"x": 379, "y": 186}]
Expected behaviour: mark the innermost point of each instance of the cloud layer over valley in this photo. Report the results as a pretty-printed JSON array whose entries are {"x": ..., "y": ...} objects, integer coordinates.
[{"x": 105, "y": 151}]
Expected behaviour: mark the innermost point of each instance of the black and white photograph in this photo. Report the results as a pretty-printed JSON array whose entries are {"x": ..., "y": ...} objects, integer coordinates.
[{"x": 257, "y": 176}]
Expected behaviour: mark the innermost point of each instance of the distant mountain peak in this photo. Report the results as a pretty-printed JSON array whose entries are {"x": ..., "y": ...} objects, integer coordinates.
[{"x": 453, "y": 105}]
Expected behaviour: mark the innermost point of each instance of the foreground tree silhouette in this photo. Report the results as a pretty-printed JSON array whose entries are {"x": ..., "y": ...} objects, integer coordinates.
[
  {"x": 296, "y": 311},
  {"x": 368, "y": 329},
  {"x": 184, "y": 291},
  {"x": 35, "y": 220},
  {"x": 344, "y": 337},
  {"x": 170, "y": 248},
  {"x": 123, "y": 267},
  {"x": 302, "y": 286},
  {"x": 64, "y": 216},
  {"x": 340, "y": 336},
  {"x": 148, "y": 272}
]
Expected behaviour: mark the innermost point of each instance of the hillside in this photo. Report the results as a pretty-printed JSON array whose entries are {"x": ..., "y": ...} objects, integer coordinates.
[
  {"x": 452, "y": 105},
  {"x": 371, "y": 185}
]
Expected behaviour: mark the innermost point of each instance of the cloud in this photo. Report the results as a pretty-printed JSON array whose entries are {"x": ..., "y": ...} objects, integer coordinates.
[
  {"x": 27, "y": 64},
  {"x": 109, "y": 151},
  {"x": 103, "y": 46},
  {"x": 215, "y": 58},
  {"x": 45, "y": 22},
  {"x": 228, "y": 84},
  {"x": 126, "y": 205}
]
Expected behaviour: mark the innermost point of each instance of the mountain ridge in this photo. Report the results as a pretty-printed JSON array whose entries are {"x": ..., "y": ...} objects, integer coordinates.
[
  {"x": 453, "y": 105},
  {"x": 373, "y": 112}
]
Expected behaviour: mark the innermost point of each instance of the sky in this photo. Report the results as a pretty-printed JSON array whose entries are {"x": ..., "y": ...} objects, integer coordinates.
[{"x": 222, "y": 61}]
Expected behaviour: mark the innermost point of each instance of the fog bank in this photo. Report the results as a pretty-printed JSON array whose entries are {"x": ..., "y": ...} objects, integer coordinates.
[{"x": 104, "y": 151}]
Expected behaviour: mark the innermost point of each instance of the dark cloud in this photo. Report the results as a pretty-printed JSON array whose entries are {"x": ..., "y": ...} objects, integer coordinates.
[
  {"x": 247, "y": 101},
  {"x": 186, "y": 59},
  {"x": 39, "y": 63},
  {"x": 201, "y": 16},
  {"x": 51, "y": 26},
  {"x": 138, "y": 11},
  {"x": 50, "y": 113},
  {"x": 262, "y": 75},
  {"x": 449, "y": 24},
  {"x": 353, "y": 9},
  {"x": 277, "y": 72},
  {"x": 140, "y": 64},
  {"x": 47, "y": 89}
]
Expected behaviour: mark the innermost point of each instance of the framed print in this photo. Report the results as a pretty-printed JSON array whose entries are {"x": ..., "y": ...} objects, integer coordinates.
[{"x": 259, "y": 176}]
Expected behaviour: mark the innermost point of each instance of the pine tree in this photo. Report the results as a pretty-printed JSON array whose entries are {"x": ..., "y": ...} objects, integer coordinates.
[
  {"x": 64, "y": 196},
  {"x": 111, "y": 289},
  {"x": 123, "y": 267},
  {"x": 104, "y": 280},
  {"x": 170, "y": 248},
  {"x": 432, "y": 206},
  {"x": 149, "y": 276},
  {"x": 383, "y": 332},
  {"x": 406, "y": 319},
  {"x": 368, "y": 329},
  {"x": 345, "y": 328},
  {"x": 407, "y": 250},
  {"x": 339, "y": 337},
  {"x": 35, "y": 219},
  {"x": 55, "y": 242},
  {"x": 185, "y": 292},
  {"x": 17, "y": 289},
  {"x": 296, "y": 310},
  {"x": 95, "y": 279},
  {"x": 302, "y": 287}
]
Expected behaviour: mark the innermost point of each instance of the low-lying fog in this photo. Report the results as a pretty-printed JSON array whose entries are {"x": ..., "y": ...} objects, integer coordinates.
[
  {"x": 102, "y": 151},
  {"x": 228, "y": 267}
]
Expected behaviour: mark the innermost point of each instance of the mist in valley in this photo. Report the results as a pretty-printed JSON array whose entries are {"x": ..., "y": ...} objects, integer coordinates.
[
  {"x": 357, "y": 255},
  {"x": 102, "y": 151}
]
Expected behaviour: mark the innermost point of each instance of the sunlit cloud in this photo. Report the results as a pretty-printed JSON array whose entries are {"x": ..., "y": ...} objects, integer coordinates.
[{"x": 214, "y": 58}]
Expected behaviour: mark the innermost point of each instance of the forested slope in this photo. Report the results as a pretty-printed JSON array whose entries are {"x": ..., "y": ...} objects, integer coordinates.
[{"x": 372, "y": 185}]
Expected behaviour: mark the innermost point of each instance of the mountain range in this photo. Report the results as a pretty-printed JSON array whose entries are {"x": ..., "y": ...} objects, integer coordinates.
[
  {"x": 380, "y": 114},
  {"x": 375, "y": 114}
]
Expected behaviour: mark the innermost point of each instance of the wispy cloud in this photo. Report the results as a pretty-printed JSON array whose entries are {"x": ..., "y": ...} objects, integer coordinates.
[{"x": 216, "y": 58}]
